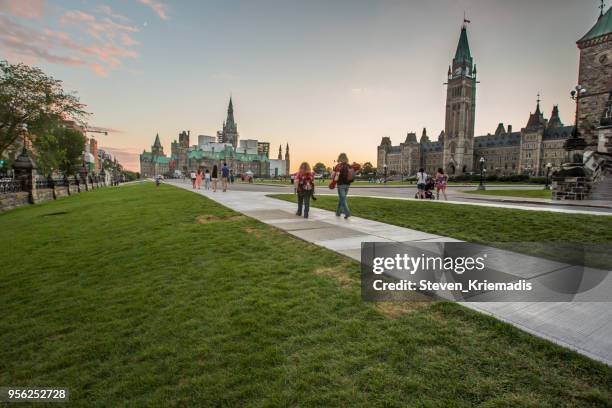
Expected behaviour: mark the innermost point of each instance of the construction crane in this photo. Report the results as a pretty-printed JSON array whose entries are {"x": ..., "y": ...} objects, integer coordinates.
[{"x": 94, "y": 129}]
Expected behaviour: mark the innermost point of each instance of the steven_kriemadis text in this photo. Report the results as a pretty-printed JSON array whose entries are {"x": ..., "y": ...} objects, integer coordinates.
[{"x": 472, "y": 285}]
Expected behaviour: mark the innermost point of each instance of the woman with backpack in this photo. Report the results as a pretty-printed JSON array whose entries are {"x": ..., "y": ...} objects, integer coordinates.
[
  {"x": 304, "y": 187},
  {"x": 343, "y": 177}
]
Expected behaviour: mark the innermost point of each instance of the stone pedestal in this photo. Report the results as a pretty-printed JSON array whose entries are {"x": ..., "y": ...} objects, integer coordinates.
[{"x": 25, "y": 172}]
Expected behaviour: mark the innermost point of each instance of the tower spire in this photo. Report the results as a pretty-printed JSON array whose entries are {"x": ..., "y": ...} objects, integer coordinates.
[
  {"x": 463, "y": 63},
  {"x": 601, "y": 9},
  {"x": 538, "y": 104}
]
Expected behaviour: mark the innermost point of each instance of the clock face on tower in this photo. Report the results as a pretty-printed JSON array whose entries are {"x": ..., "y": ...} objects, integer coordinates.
[
  {"x": 458, "y": 71},
  {"x": 604, "y": 58}
]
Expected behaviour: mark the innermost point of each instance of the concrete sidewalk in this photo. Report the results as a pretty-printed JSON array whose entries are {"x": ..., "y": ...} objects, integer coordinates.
[{"x": 581, "y": 326}]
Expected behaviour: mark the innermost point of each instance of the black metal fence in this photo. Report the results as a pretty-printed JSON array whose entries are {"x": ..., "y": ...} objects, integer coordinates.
[
  {"x": 13, "y": 185},
  {"x": 10, "y": 185}
]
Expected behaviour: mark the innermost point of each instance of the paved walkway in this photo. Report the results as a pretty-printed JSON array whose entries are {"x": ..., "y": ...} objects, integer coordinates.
[{"x": 581, "y": 326}]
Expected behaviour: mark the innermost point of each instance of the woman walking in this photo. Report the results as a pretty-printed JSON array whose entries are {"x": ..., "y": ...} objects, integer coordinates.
[
  {"x": 206, "y": 179},
  {"x": 421, "y": 183},
  {"x": 304, "y": 187},
  {"x": 441, "y": 182},
  {"x": 199, "y": 179},
  {"x": 214, "y": 176},
  {"x": 343, "y": 176},
  {"x": 192, "y": 176}
]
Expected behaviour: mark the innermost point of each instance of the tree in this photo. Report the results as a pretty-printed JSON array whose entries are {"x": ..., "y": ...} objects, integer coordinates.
[
  {"x": 72, "y": 144},
  {"x": 368, "y": 168},
  {"x": 58, "y": 148},
  {"x": 30, "y": 100},
  {"x": 319, "y": 168}
]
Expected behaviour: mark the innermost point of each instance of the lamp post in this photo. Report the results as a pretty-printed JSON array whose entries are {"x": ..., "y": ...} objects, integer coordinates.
[
  {"x": 548, "y": 167},
  {"x": 481, "y": 186},
  {"x": 385, "y": 174},
  {"x": 576, "y": 142}
]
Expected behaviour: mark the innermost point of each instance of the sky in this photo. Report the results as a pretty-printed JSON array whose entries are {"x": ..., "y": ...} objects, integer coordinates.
[{"x": 325, "y": 76}]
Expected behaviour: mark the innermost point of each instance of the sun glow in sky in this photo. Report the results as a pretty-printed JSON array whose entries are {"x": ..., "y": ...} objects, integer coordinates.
[{"x": 324, "y": 76}]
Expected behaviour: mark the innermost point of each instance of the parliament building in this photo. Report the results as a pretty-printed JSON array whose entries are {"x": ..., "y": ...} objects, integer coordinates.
[
  {"x": 246, "y": 156},
  {"x": 458, "y": 151}
]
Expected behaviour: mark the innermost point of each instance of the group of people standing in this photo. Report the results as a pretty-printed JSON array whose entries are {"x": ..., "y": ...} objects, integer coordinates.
[
  {"x": 342, "y": 177},
  {"x": 426, "y": 184},
  {"x": 211, "y": 178}
]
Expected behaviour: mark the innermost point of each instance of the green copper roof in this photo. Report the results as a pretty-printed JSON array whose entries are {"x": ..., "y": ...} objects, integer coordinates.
[
  {"x": 603, "y": 26},
  {"x": 161, "y": 160},
  {"x": 462, "y": 55}
]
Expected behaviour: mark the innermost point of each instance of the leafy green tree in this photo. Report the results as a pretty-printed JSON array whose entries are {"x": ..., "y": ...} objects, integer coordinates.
[
  {"x": 368, "y": 168},
  {"x": 58, "y": 148},
  {"x": 47, "y": 153},
  {"x": 30, "y": 100},
  {"x": 319, "y": 168},
  {"x": 72, "y": 144}
]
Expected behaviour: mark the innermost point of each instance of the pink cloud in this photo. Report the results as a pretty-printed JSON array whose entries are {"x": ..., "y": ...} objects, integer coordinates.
[
  {"x": 158, "y": 7},
  {"x": 107, "y": 10},
  {"x": 110, "y": 46},
  {"x": 22, "y": 40},
  {"x": 24, "y": 8}
]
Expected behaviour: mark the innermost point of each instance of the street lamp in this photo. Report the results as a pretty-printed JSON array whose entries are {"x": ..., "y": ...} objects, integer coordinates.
[
  {"x": 385, "y": 173},
  {"x": 576, "y": 142},
  {"x": 481, "y": 186},
  {"x": 548, "y": 167}
]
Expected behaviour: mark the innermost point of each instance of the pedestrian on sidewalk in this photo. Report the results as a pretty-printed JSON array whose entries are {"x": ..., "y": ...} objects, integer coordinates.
[
  {"x": 343, "y": 176},
  {"x": 421, "y": 183},
  {"x": 304, "y": 182},
  {"x": 206, "y": 179},
  {"x": 441, "y": 183},
  {"x": 199, "y": 179},
  {"x": 214, "y": 176},
  {"x": 225, "y": 172},
  {"x": 192, "y": 175}
]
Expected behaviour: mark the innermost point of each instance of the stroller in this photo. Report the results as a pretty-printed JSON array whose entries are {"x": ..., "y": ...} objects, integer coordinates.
[{"x": 429, "y": 190}]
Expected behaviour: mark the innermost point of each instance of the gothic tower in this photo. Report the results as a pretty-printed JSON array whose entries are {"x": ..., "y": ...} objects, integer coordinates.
[
  {"x": 229, "y": 134},
  {"x": 157, "y": 149},
  {"x": 594, "y": 74},
  {"x": 458, "y": 153},
  {"x": 280, "y": 152}
]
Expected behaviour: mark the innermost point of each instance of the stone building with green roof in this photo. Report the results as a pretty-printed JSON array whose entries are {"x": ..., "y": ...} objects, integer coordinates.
[{"x": 155, "y": 162}]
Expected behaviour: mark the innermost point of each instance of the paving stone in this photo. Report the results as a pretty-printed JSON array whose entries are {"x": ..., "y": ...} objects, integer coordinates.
[{"x": 322, "y": 234}]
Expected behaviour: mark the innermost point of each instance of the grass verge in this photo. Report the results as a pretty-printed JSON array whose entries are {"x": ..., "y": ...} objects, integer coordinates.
[
  {"x": 578, "y": 239},
  {"x": 151, "y": 296}
]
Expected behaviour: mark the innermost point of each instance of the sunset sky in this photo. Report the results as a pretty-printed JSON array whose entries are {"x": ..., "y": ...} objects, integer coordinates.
[{"x": 325, "y": 76}]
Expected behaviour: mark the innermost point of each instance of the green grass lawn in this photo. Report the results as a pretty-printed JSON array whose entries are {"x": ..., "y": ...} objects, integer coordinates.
[
  {"x": 530, "y": 232},
  {"x": 475, "y": 223},
  {"x": 513, "y": 193},
  {"x": 138, "y": 295}
]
